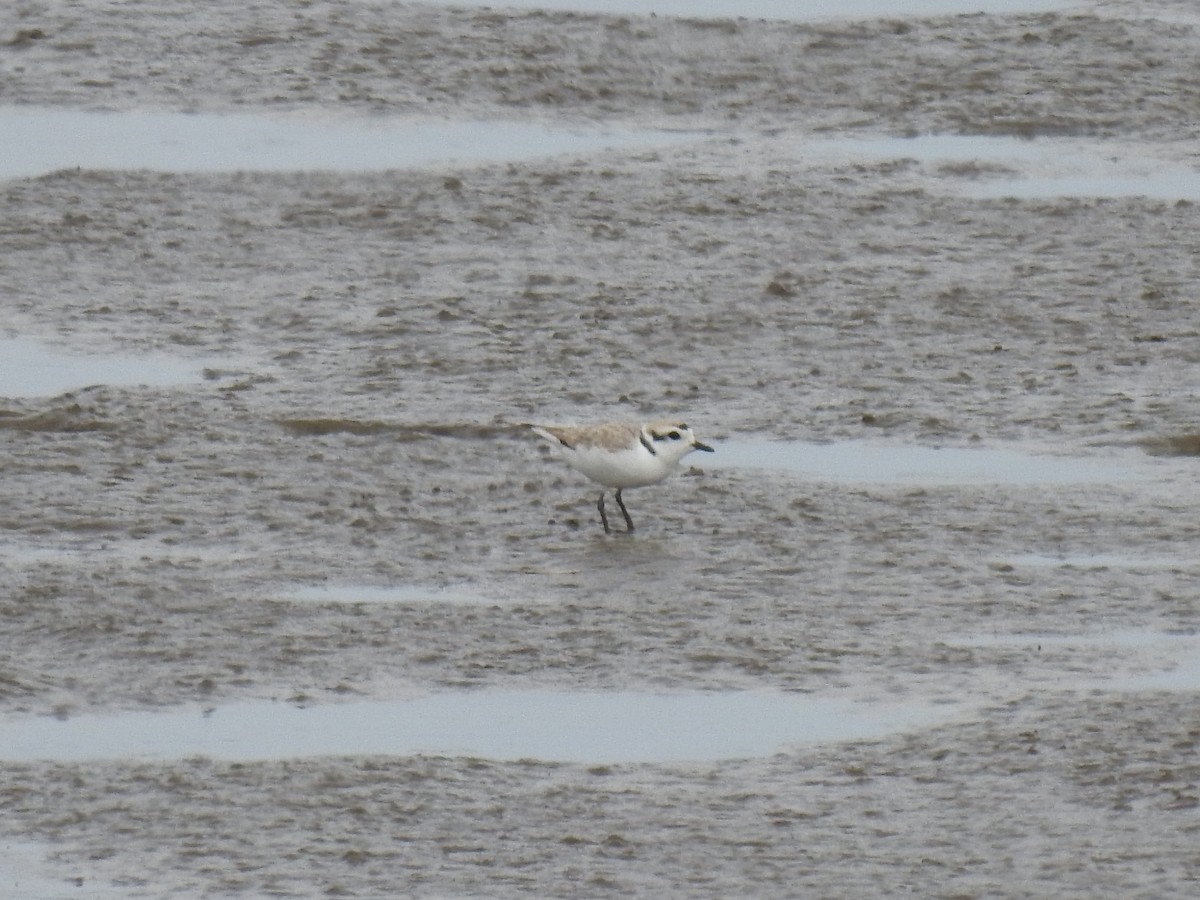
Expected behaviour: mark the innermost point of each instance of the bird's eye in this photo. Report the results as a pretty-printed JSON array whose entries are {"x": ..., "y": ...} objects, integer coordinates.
[{"x": 674, "y": 435}]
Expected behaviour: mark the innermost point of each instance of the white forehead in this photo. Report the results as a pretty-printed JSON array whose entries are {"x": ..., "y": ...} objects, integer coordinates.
[{"x": 665, "y": 427}]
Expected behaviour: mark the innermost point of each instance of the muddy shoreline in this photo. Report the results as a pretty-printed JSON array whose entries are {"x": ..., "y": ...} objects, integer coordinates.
[{"x": 370, "y": 343}]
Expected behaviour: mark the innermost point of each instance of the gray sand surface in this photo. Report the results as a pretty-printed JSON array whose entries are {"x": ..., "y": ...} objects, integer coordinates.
[{"x": 374, "y": 341}]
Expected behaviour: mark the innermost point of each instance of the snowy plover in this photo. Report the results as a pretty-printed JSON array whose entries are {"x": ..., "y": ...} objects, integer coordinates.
[{"x": 623, "y": 454}]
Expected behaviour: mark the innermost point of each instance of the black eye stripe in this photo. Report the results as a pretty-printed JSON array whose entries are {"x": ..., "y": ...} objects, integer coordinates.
[{"x": 670, "y": 435}]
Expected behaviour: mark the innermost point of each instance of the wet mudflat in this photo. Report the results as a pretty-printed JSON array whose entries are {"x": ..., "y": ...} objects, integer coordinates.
[{"x": 263, "y": 459}]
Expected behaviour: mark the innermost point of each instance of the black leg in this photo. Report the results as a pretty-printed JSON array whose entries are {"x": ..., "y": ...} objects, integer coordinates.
[
  {"x": 603, "y": 517},
  {"x": 624, "y": 511}
]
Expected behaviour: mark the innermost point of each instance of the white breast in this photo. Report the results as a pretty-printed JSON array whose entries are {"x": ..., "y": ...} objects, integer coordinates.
[{"x": 632, "y": 467}]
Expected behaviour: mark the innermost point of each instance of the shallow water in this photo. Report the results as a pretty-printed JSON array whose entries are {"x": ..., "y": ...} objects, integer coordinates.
[
  {"x": 1113, "y": 560},
  {"x": 863, "y": 463},
  {"x": 26, "y": 873},
  {"x": 1164, "y": 661},
  {"x": 793, "y": 10},
  {"x": 201, "y": 547},
  {"x": 406, "y": 593},
  {"x": 1168, "y": 644},
  {"x": 932, "y": 148},
  {"x": 30, "y": 368},
  {"x": 1183, "y": 678},
  {"x": 36, "y": 141},
  {"x": 1165, "y": 186},
  {"x": 610, "y": 728},
  {"x": 1041, "y": 167}
]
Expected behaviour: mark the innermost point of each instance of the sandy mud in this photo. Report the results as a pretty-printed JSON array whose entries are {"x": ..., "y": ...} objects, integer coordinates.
[{"x": 367, "y": 346}]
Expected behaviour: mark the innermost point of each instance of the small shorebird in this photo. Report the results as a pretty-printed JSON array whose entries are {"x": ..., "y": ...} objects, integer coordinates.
[{"x": 623, "y": 454}]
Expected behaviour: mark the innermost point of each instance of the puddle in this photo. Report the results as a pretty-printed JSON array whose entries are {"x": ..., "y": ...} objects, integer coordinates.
[
  {"x": 27, "y": 872},
  {"x": 570, "y": 727},
  {"x": 402, "y": 594},
  {"x": 31, "y": 369},
  {"x": 1184, "y": 677},
  {"x": 1173, "y": 660},
  {"x": 1104, "y": 561},
  {"x": 37, "y": 141},
  {"x": 1166, "y": 186},
  {"x": 60, "y": 550},
  {"x": 789, "y": 10},
  {"x": 861, "y": 463},
  {"x": 934, "y": 148},
  {"x": 1047, "y": 167},
  {"x": 1126, "y": 639},
  {"x": 29, "y": 553}
]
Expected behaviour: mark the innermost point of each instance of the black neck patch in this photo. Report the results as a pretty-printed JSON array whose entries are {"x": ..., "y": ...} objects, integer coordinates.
[{"x": 646, "y": 443}]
